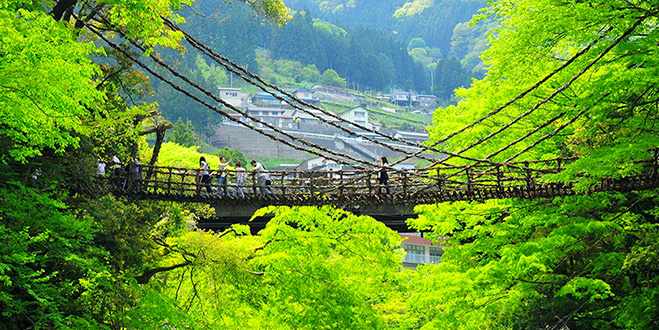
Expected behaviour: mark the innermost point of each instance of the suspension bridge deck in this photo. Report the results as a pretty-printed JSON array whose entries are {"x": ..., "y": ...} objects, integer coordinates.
[{"x": 360, "y": 192}]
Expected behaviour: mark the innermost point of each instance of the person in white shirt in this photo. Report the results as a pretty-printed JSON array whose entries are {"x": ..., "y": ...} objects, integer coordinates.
[
  {"x": 241, "y": 176},
  {"x": 115, "y": 166},
  {"x": 205, "y": 176},
  {"x": 262, "y": 179},
  {"x": 100, "y": 167},
  {"x": 222, "y": 179}
]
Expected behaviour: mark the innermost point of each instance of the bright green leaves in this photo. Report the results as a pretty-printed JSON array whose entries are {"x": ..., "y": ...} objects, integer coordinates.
[
  {"x": 47, "y": 263},
  {"x": 574, "y": 256},
  {"x": 309, "y": 268},
  {"x": 332, "y": 263},
  {"x": 574, "y": 261},
  {"x": 605, "y": 92},
  {"x": 45, "y": 85},
  {"x": 592, "y": 289}
]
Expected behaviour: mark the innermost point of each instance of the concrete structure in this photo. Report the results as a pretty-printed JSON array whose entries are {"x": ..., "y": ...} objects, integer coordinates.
[
  {"x": 254, "y": 144},
  {"x": 403, "y": 98},
  {"x": 319, "y": 164},
  {"x": 340, "y": 92},
  {"x": 427, "y": 101},
  {"x": 412, "y": 136}
]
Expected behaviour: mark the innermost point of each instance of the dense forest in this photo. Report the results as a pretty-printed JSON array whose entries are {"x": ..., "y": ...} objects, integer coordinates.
[
  {"x": 433, "y": 21},
  {"x": 74, "y": 257}
]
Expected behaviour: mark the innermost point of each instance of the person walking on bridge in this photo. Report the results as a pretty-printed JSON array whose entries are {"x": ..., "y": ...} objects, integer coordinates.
[
  {"x": 205, "y": 175},
  {"x": 383, "y": 176},
  {"x": 115, "y": 166},
  {"x": 222, "y": 173},
  {"x": 241, "y": 175},
  {"x": 262, "y": 179}
]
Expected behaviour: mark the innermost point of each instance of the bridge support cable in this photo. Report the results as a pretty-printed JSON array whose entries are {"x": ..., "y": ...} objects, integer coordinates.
[
  {"x": 558, "y": 90},
  {"x": 547, "y": 136},
  {"x": 258, "y": 82},
  {"x": 293, "y": 101},
  {"x": 339, "y": 156},
  {"x": 543, "y": 125},
  {"x": 543, "y": 80}
]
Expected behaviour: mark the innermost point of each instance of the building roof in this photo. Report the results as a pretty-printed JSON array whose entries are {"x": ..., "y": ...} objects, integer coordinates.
[
  {"x": 230, "y": 89},
  {"x": 342, "y": 112},
  {"x": 264, "y": 95},
  {"x": 412, "y": 134},
  {"x": 416, "y": 239},
  {"x": 306, "y": 115},
  {"x": 305, "y": 89}
]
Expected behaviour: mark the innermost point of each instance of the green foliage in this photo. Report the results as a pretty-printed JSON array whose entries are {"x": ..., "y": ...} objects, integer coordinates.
[
  {"x": 449, "y": 75},
  {"x": 48, "y": 264},
  {"x": 532, "y": 263},
  {"x": 182, "y": 134},
  {"x": 331, "y": 78},
  {"x": 565, "y": 262},
  {"x": 46, "y": 88},
  {"x": 412, "y": 8},
  {"x": 173, "y": 154},
  {"x": 431, "y": 20},
  {"x": 328, "y": 28},
  {"x": 309, "y": 268},
  {"x": 416, "y": 43}
]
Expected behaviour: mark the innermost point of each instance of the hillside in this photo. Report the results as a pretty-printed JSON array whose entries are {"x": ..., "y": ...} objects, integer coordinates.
[{"x": 432, "y": 20}]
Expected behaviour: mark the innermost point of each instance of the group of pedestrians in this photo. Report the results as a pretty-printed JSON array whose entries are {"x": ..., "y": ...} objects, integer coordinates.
[
  {"x": 224, "y": 172},
  {"x": 117, "y": 178}
]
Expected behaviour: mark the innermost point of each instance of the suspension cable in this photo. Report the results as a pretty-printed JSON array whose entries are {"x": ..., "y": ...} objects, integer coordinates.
[
  {"x": 218, "y": 110},
  {"x": 518, "y": 97}
]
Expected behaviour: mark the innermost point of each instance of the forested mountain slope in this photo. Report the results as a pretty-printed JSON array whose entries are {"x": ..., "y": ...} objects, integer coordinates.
[
  {"x": 365, "y": 59},
  {"x": 432, "y": 20}
]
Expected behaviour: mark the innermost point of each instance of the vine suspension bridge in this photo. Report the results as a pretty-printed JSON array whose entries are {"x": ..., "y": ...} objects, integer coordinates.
[{"x": 357, "y": 190}]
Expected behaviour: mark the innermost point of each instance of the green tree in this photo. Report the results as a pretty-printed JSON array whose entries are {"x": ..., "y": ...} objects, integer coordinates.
[
  {"x": 309, "y": 268},
  {"x": 67, "y": 260},
  {"x": 416, "y": 43},
  {"x": 331, "y": 78},
  {"x": 449, "y": 75},
  {"x": 182, "y": 134},
  {"x": 310, "y": 73}
]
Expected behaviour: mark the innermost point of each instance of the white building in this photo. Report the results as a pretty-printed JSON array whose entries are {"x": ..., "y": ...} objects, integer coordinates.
[
  {"x": 419, "y": 250},
  {"x": 358, "y": 115},
  {"x": 233, "y": 96}
]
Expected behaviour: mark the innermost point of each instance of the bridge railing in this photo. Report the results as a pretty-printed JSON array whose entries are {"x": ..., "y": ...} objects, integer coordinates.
[
  {"x": 470, "y": 181},
  {"x": 188, "y": 181}
]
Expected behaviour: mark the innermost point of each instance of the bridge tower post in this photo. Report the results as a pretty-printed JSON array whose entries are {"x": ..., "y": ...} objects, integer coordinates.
[
  {"x": 254, "y": 184},
  {"x": 655, "y": 174},
  {"x": 405, "y": 184},
  {"x": 529, "y": 180},
  {"x": 341, "y": 186},
  {"x": 499, "y": 180},
  {"x": 469, "y": 183}
]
